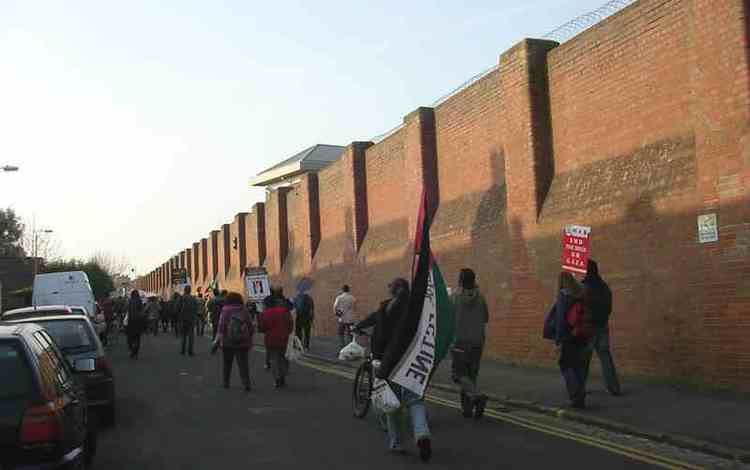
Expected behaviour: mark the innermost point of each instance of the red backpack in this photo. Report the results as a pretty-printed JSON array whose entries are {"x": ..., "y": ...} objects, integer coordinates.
[{"x": 580, "y": 323}]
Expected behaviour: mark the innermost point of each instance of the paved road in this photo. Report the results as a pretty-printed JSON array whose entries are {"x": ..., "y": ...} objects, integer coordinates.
[{"x": 172, "y": 414}]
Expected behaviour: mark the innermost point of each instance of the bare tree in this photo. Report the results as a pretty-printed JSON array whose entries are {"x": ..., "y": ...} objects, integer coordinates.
[
  {"x": 114, "y": 265},
  {"x": 47, "y": 247}
]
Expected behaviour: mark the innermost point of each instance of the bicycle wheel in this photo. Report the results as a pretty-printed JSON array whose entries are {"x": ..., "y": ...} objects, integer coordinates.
[{"x": 362, "y": 390}]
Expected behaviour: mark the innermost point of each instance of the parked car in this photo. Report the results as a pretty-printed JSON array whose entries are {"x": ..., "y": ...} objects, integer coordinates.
[
  {"x": 36, "y": 312},
  {"x": 64, "y": 288},
  {"x": 44, "y": 418},
  {"x": 77, "y": 339}
]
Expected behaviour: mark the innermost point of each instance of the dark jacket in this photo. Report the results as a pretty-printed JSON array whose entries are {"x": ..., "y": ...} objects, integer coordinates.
[
  {"x": 187, "y": 310},
  {"x": 305, "y": 308},
  {"x": 597, "y": 296},
  {"x": 136, "y": 318},
  {"x": 385, "y": 320},
  {"x": 471, "y": 316},
  {"x": 276, "y": 323}
]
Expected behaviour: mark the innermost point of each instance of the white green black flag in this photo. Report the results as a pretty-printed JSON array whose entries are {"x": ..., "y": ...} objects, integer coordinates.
[{"x": 426, "y": 333}]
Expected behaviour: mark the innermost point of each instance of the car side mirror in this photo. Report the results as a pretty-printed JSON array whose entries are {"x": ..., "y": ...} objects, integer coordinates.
[{"x": 84, "y": 365}]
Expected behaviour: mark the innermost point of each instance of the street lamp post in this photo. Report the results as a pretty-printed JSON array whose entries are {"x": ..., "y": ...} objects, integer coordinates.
[{"x": 35, "y": 244}]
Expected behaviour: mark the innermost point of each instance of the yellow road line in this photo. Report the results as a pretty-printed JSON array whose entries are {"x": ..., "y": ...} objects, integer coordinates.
[{"x": 635, "y": 454}]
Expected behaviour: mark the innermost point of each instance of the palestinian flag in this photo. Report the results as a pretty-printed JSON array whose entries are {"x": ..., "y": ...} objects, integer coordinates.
[{"x": 424, "y": 335}]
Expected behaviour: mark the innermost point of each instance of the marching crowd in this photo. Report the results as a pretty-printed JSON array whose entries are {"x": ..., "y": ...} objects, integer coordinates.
[
  {"x": 577, "y": 323},
  {"x": 232, "y": 323}
]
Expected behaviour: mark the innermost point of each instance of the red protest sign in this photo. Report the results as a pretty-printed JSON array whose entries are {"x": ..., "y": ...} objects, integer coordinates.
[{"x": 575, "y": 248}]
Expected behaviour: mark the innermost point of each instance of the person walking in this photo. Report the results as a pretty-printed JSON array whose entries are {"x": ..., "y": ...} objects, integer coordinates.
[
  {"x": 304, "y": 306},
  {"x": 152, "y": 315},
  {"x": 174, "y": 319},
  {"x": 343, "y": 308},
  {"x": 471, "y": 319},
  {"x": 568, "y": 307},
  {"x": 108, "y": 310},
  {"x": 201, "y": 319},
  {"x": 235, "y": 337},
  {"x": 597, "y": 298},
  {"x": 277, "y": 324},
  {"x": 163, "y": 315},
  {"x": 386, "y": 321},
  {"x": 187, "y": 311},
  {"x": 135, "y": 325},
  {"x": 216, "y": 305}
]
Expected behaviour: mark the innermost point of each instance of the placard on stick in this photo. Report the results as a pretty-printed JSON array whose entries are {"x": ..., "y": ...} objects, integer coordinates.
[{"x": 575, "y": 248}]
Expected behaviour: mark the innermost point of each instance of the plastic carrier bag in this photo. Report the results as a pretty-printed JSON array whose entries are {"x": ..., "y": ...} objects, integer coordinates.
[
  {"x": 383, "y": 397},
  {"x": 352, "y": 351},
  {"x": 294, "y": 349}
]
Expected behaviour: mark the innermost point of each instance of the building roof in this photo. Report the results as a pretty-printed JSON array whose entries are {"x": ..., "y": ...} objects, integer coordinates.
[{"x": 312, "y": 158}]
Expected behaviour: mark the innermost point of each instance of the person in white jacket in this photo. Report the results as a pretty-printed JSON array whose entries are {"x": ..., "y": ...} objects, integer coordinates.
[{"x": 343, "y": 307}]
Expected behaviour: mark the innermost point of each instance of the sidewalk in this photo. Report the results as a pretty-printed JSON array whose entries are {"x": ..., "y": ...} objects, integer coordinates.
[{"x": 669, "y": 413}]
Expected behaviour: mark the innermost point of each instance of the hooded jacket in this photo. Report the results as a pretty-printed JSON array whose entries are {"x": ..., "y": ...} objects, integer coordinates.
[
  {"x": 471, "y": 316},
  {"x": 597, "y": 296},
  {"x": 276, "y": 322}
]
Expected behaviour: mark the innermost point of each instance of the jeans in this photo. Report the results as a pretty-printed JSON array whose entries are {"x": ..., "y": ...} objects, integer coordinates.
[
  {"x": 302, "y": 330},
  {"x": 345, "y": 335},
  {"x": 188, "y": 338},
  {"x": 279, "y": 363},
  {"x": 242, "y": 355},
  {"x": 600, "y": 343},
  {"x": 465, "y": 368},
  {"x": 417, "y": 412},
  {"x": 572, "y": 367},
  {"x": 201, "y": 327},
  {"x": 134, "y": 344}
]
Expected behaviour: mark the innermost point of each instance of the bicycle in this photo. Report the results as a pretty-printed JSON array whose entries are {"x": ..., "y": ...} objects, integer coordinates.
[{"x": 363, "y": 382}]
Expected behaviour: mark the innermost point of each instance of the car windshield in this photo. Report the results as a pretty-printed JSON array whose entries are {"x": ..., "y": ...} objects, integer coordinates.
[
  {"x": 71, "y": 336},
  {"x": 14, "y": 370}
]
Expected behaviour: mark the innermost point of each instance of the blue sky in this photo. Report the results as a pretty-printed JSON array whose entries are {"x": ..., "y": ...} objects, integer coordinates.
[{"x": 137, "y": 125}]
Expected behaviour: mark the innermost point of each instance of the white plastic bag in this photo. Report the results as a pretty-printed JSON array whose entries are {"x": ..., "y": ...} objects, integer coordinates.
[
  {"x": 352, "y": 352},
  {"x": 383, "y": 397},
  {"x": 294, "y": 349}
]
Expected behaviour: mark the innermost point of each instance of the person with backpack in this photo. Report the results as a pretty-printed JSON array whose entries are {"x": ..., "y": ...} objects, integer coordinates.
[
  {"x": 187, "y": 311},
  {"x": 472, "y": 316},
  {"x": 235, "y": 338},
  {"x": 571, "y": 333},
  {"x": 277, "y": 324},
  {"x": 304, "y": 306},
  {"x": 135, "y": 325},
  {"x": 597, "y": 298}
]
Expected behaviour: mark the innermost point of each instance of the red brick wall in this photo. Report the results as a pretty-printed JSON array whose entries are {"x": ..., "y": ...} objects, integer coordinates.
[
  {"x": 255, "y": 236},
  {"x": 634, "y": 127}
]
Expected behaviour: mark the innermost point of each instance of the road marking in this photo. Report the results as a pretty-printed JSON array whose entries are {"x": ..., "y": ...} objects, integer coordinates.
[{"x": 635, "y": 454}]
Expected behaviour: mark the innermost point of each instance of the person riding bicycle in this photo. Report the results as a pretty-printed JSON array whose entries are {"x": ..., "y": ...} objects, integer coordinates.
[{"x": 387, "y": 320}]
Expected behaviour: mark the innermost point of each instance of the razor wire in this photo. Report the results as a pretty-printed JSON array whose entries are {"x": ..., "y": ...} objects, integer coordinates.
[
  {"x": 560, "y": 35},
  {"x": 586, "y": 20}
]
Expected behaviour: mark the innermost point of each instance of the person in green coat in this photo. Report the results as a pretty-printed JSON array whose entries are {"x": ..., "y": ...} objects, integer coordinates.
[{"x": 471, "y": 320}]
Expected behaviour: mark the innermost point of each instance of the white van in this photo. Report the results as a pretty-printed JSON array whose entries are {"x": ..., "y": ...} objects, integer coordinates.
[{"x": 66, "y": 288}]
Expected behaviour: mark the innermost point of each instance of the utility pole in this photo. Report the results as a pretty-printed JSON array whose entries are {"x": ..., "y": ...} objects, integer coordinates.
[{"x": 34, "y": 245}]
